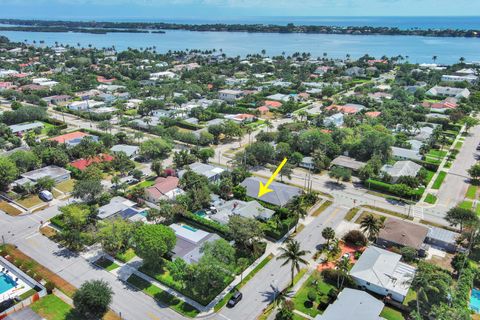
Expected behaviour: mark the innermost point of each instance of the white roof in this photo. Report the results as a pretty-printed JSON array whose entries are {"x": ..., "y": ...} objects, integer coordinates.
[
  {"x": 188, "y": 233},
  {"x": 383, "y": 269},
  {"x": 402, "y": 168}
]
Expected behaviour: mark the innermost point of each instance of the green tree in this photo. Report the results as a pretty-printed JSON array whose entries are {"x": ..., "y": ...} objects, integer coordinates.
[
  {"x": 219, "y": 250},
  {"x": 343, "y": 266},
  {"x": 340, "y": 173},
  {"x": 88, "y": 190},
  {"x": 244, "y": 231},
  {"x": 328, "y": 234},
  {"x": 462, "y": 217},
  {"x": 45, "y": 183},
  {"x": 205, "y": 154},
  {"x": 153, "y": 241},
  {"x": 474, "y": 171},
  {"x": 8, "y": 172},
  {"x": 294, "y": 255},
  {"x": 25, "y": 160},
  {"x": 371, "y": 226},
  {"x": 115, "y": 235},
  {"x": 469, "y": 122},
  {"x": 157, "y": 167},
  {"x": 92, "y": 299},
  {"x": 156, "y": 148}
]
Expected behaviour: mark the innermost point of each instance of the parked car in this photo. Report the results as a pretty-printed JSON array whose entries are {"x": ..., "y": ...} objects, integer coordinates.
[
  {"x": 237, "y": 296},
  {"x": 45, "y": 195}
]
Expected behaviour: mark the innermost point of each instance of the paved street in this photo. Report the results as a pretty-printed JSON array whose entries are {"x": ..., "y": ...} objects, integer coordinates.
[{"x": 456, "y": 182}]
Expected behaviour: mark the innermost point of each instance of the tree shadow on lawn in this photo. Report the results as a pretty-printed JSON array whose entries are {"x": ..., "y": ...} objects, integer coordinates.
[{"x": 66, "y": 253}]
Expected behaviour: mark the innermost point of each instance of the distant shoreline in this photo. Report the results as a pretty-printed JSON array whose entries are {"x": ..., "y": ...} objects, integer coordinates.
[{"x": 97, "y": 27}]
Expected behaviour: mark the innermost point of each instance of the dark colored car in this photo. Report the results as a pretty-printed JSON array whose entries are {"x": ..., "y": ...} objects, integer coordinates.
[{"x": 237, "y": 296}]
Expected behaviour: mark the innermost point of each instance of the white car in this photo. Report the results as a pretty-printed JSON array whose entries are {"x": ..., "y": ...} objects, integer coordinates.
[{"x": 45, "y": 195}]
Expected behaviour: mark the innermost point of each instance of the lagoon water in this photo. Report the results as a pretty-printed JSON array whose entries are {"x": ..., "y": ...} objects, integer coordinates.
[{"x": 418, "y": 49}]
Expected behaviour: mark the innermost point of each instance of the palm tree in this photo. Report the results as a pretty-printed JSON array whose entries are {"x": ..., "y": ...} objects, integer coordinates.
[
  {"x": 343, "y": 265},
  {"x": 294, "y": 255},
  {"x": 434, "y": 58},
  {"x": 370, "y": 225},
  {"x": 462, "y": 59},
  {"x": 297, "y": 207},
  {"x": 328, "y": 234}
]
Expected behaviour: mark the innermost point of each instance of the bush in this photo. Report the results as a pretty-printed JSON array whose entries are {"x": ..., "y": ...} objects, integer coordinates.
[
  {"x": 312, "y": 295},
  {"x": 208, "y": 225},
  {"x": 356, "y": 238},
  {"x": 49, "y": 286},
  {"x": 408, "y": 254}
]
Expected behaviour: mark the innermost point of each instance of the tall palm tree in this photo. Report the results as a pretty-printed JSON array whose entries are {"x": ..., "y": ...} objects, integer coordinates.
[
  {"x": 294, "y": 255},
  {"x": 343, "y": 265},
  {"x": 371, "y": 226},
  {"x": 434, "y": 58},
  {"x": 328, "y": 234}
]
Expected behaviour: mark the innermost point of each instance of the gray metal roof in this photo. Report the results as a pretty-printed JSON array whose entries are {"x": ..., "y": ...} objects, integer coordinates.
[
  {"x": 402, "y": 168},
  {"x": 49, "y": 171},
  {"x": 280, "y": 196},
  {"x": 353, "y": 304},
  {"x": 129, "y": 150},
  {"x": 25, "y": 126},
  {"x": 442, "y": 235}
]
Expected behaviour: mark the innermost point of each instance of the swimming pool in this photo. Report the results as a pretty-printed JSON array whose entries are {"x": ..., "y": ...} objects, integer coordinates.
[
  {"x": 475, "y": 300},
  {"x": 6, "y": 282},
  {"x": 201, "y": 213},
  {"x": 189, "y": 228}
]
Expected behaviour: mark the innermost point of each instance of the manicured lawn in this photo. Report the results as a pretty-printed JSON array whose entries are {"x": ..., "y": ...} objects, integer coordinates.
[
  {"x": 301, "y": 302},
  {"x": 163, "y": 297},
  {"x": 30, "y": 201},
  {"x": 147, "y": 183},
  {"x": 430, "y": 198},
  {"x": 106, "y": 264},
  {"x": 471, "y": 192},
  {"x": 439, "y": 180},
  {"x": 9, "y": 209},
  {"x": 351, "y": 213},
  {"x": 477, "y": 210},
  {"x": 390, "y": 212},
  {"x": 65, "y": 186},
  {"x": 391, "y": 314},
  {"x": 437, "y": 154},
  {"x": 466, "y": 204},
  {"x": 429, "y": 176},
  {"x": 126, "y": 256},
  {"x": 53, "y": 308},
  {"x": 458, "y": 145}
]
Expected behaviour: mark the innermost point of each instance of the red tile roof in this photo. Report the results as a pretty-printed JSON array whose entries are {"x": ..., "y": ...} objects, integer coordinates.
[
  {"x": 373, "y": 114},
  {"x": 163, "y": 186},
  {"x": 82, "y": 164},
  {"x": 263, "y": 109},
  {"x": 102, "y": 79},
  {"x": 343, "y": 109},
  {"x": 272, "y": 104},
  {"x": 69, "y": 136}
]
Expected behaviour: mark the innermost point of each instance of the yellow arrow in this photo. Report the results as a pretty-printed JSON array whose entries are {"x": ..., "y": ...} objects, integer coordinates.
[{"x": 263, "y": 188}]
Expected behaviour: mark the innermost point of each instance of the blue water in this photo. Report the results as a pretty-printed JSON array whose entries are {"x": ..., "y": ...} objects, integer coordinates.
[
  {"x": 418, "y": 49},
  {"x": 475, "y": 300},
  {"x": 190, "y": 228},
  {"x": 6, "y": 282},
  {"x": 201, "y": 213}
]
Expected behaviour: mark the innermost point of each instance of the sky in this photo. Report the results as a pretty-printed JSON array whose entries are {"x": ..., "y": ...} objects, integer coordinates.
[{"x": 225, "y": 9}]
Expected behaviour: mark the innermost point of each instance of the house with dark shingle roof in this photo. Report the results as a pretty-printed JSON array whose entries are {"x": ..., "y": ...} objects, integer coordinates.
[
  {"x": 281, "y": 195},
  {"x": 400, "y": 233}
]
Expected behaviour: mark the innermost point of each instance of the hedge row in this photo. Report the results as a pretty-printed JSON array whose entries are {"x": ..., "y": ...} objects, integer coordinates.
[
  {"x": 385, "y": 187},
  {"x": 207, "y": 225}
]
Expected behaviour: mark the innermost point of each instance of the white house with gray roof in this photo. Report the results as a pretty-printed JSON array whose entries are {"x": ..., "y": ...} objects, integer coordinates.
[
  {"x": 130, "y": 151},
  {"x": 211, "y": 172},
  {"x": 406, "y": 154},
  {"x": 381, "y": 272},
  {"x": 439, "y": 91},
  {"x": 281, "y": 195},
  {"x": 223, "y": 210},
  {"x": 405, "y": 168},
  {"x": 24, "y": 127},
  {"x": 58, "y": 174},
  {"x": 353, "y": 304}
]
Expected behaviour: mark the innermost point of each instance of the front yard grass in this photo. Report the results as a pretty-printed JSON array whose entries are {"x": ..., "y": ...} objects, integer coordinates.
[
  {"x": 163, "y": 297},
  {"x": 53, "y": 308},
  {"x": 314, "y": 283},
  {"x": 430, "y": 198},
  {"x": 466, "y": 204},
  {"x": 66, "y": 186},
  {"x": 106, "y": 264},
  {"x": 439, "y": 180},
  {"x": 391, "y": 314},
  {"x": 471, "y": 192},
  {"x": 366, "y": 213},
  {"x": 390, "y": 212},
  {"x": 126, "y": 256},
  {"x": 30, "y": 201},
  {"x": 9, "y": 209}
]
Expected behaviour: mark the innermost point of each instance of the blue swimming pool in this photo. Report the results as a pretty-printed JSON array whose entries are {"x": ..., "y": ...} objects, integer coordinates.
[
  {"x": 201, "y": 213},
  {"x": 6, "y": 282},
  {"x": 190, "y": 228},
  {"x": 475, "y": 300}
]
